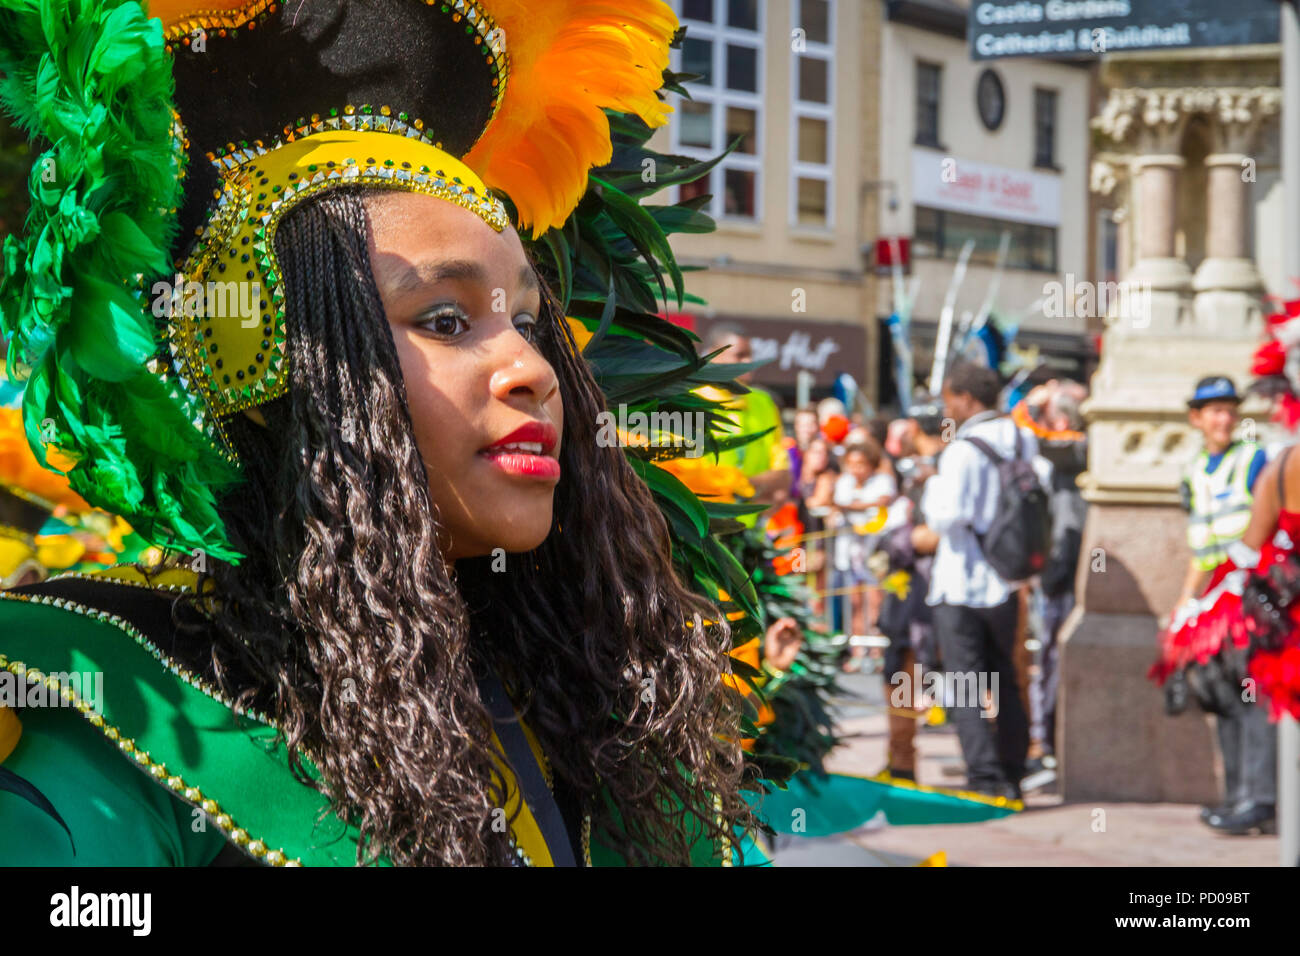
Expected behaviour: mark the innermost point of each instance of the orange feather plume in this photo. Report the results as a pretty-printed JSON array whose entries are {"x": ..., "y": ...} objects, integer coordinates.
[{"x": 569, "y": 60}]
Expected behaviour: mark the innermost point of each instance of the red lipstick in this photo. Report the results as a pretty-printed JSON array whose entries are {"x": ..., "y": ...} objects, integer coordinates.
[{"x": 527, "y": 452}]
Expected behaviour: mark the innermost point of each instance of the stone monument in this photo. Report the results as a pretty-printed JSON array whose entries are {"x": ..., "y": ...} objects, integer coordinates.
[{"x": 1168, "y": 123}]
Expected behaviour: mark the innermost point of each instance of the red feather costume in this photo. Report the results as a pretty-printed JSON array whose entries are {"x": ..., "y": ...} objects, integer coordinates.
[{"x": 1246, "y": 623}]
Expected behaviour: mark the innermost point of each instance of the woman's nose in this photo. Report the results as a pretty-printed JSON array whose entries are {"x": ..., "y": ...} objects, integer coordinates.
[{"x": 521, "y": 370}]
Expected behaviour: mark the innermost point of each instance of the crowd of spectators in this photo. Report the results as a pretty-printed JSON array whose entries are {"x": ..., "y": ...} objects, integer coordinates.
[{"x": 892, "y": 511}]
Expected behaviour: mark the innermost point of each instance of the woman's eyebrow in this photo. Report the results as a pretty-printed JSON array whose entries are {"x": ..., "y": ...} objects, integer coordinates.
[
  {"x": 411, "y": 277},
  {"x": 528, "y": 280}
]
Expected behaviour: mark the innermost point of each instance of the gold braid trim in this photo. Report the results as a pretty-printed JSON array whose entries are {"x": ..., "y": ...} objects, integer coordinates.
[{"x": 192, "y": 795}]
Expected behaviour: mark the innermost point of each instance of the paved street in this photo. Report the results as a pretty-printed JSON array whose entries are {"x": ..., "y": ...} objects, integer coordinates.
[{"x": 1049, "y": 832}]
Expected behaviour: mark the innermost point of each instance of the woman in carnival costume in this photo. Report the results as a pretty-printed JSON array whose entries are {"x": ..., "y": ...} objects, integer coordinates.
[
  {"x": 421, "y": 615},
  {"x": 1241, "y": 637}
]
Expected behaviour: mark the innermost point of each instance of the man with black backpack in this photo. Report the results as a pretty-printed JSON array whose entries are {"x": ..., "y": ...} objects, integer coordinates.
[{"x": 988, "y": 504}]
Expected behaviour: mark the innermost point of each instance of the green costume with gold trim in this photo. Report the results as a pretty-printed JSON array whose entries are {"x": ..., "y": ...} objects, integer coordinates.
[
  {"x": 179, "y": 135},
  {"x": 163, "y": 770}
]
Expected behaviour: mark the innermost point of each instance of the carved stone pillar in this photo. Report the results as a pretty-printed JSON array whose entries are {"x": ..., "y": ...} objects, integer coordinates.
[
  {"x": 1114, "y": 740},
  {"x": 1157, "y": 182},
  {"x": 1146, "y": 125},
  {"x": 1227, "y": 283}
]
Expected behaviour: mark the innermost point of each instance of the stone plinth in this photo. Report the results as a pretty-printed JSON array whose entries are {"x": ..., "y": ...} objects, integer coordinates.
[{"x": 1115, "y": 741}]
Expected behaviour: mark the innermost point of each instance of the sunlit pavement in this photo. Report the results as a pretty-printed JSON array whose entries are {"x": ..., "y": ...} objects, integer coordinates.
[{"x": 1048, "y": 833}]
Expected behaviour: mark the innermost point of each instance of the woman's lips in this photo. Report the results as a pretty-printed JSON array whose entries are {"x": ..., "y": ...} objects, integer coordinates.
[
  {"x": 523, "y": 464},
  {"x": 526, "y": 452}
]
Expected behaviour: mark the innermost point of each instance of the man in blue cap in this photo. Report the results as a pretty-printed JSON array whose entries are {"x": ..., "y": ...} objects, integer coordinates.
[{"x": 1217, "y": 491}]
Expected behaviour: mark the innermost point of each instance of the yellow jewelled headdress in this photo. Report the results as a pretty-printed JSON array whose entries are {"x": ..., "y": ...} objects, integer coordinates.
[{"x": 145, "y": 301}]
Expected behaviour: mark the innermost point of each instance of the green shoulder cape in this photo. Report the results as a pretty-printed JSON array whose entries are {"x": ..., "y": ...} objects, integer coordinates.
[{"x": 145, "y": 763}]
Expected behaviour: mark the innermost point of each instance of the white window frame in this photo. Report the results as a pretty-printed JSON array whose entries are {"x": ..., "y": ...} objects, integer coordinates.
[
  {"x": 1056, "y": 128},
  {"x": 719, "y": 97},
  {"x": 820, "y": 111}
]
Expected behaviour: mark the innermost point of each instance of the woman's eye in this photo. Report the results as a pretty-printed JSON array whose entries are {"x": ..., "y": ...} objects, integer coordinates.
[
  {"x": 526, "y": 324},
  {"x": 447, "y": 322}
]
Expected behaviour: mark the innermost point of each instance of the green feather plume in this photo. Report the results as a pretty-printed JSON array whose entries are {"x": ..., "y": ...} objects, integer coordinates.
[{"x": 91, "y": 82}]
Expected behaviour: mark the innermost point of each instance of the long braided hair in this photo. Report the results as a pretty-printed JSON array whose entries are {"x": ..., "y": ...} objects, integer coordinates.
[{"x": 615, "y": 666}]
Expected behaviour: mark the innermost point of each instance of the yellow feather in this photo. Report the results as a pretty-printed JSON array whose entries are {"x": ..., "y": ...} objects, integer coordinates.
[{"x": 569, "y": 60}]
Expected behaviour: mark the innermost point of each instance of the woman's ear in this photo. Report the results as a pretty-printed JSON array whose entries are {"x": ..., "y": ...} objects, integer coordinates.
[{"x": 256, "y": 415}]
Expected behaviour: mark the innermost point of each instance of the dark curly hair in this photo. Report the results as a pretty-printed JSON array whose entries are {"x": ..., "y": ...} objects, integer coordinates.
[{"x": 615, "y": 666}]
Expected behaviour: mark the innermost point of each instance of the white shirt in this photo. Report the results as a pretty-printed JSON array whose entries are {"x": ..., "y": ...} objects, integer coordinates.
[
  {"x": 851, "y": 548},
  {"x": 961, "y": 501}
]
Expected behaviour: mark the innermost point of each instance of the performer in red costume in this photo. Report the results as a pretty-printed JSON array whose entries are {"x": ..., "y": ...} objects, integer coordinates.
[{"x": 1243, "y": 634}]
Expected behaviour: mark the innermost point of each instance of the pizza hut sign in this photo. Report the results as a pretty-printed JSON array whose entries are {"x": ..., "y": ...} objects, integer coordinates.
[
  {"x": 796, "y": 352},
  {"x": 823, "y": 348}
]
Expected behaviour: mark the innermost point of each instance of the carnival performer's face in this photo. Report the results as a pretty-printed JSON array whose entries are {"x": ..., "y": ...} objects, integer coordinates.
[{"x": 464, "y": 309}]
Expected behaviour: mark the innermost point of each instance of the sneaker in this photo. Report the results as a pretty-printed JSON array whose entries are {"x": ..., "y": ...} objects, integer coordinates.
[
  {"x": 1037, "y": 780},
  {"x": 1244, "y": 819}
]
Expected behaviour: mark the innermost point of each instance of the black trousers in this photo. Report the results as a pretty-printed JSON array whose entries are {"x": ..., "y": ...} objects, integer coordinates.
[
  {"x": 979, "y": 641},
  {"x": 1248, "y": 742}
]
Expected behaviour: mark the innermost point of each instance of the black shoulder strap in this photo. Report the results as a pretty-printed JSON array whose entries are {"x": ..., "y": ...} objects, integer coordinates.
[
  {"x": 987, "y": 449},
  {"x": 519, "y": 755}
]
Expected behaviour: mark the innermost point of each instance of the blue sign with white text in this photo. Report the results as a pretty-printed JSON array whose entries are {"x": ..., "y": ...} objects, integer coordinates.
[{"x": 1075, "y": 28}]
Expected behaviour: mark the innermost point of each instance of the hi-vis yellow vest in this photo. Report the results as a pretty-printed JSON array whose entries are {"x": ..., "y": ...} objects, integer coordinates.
[{"x": 1220, "y": 506}]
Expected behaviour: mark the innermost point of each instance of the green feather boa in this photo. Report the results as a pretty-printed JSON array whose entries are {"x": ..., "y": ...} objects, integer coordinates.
[{"x": 91, "y": 78}]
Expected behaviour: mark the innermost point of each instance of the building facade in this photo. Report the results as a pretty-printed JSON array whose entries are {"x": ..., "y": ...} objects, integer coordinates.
[
  {"x": 975, "y": 151},
  {"x": 796, "y": 81}
]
